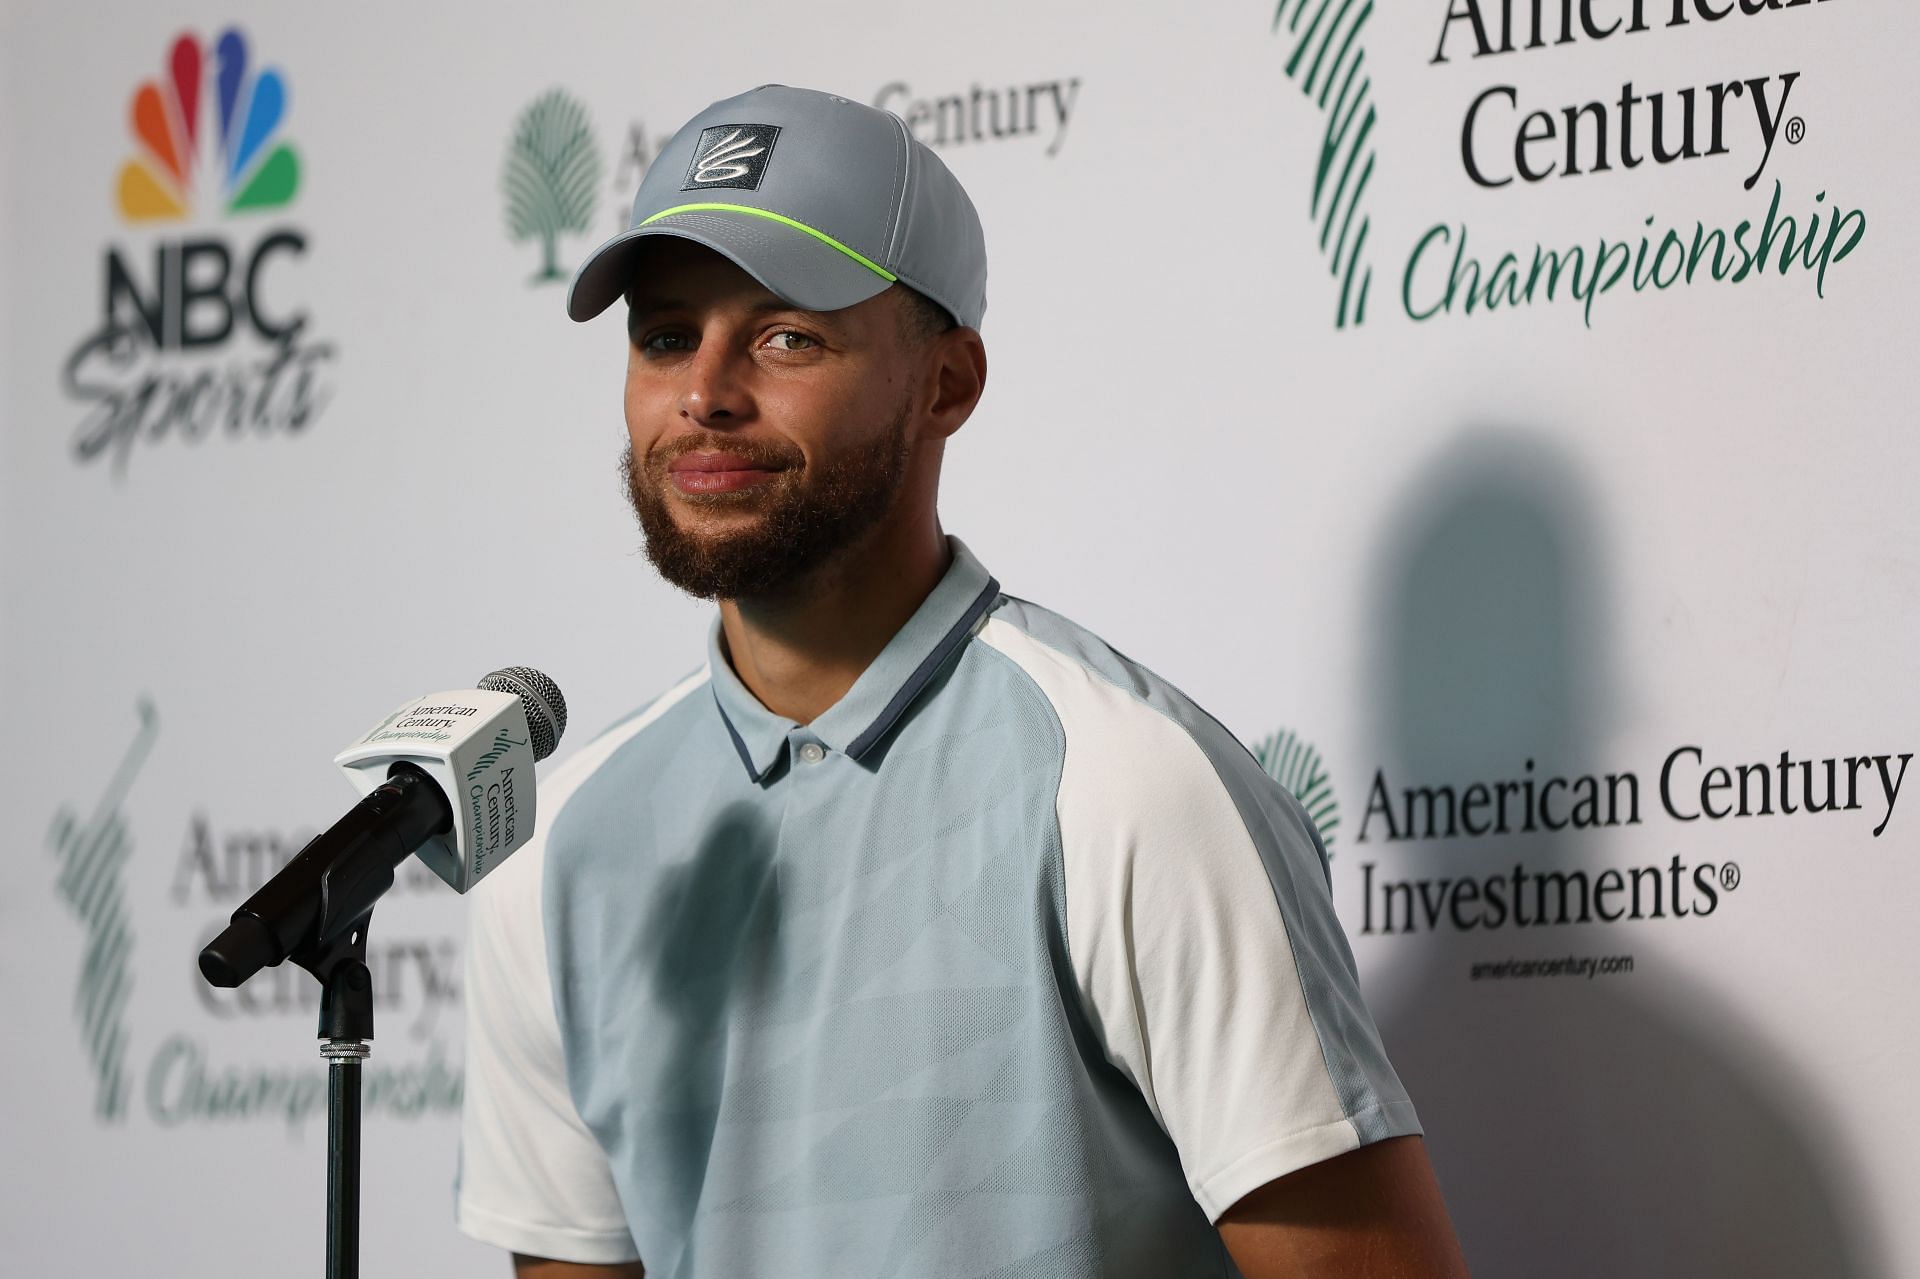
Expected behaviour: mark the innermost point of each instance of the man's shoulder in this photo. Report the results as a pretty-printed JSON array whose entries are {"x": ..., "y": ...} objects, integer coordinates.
[
  {"x": 1141, "y": 756},
  {"x": 1075, "y": 668},
  {"x": 1153, "y": 740}
]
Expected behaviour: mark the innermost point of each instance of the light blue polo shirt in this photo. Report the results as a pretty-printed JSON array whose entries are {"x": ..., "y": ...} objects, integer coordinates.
[{"x": 1012, "y": 963}]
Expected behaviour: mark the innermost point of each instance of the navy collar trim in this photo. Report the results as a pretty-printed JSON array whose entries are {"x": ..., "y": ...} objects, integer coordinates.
[
  {"x": 746, "y": 756},
  {"x": 882, "y": 694},
  {"x": 929, "y": 666}
]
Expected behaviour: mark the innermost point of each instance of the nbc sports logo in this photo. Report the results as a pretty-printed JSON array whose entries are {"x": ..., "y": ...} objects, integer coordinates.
[
  {"x": 202, "y": 331},
  {"x": 208, "y": 101}
]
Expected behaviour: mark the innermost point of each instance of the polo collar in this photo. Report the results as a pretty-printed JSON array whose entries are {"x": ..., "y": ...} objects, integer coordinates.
[{"x": 855, "y": 724}]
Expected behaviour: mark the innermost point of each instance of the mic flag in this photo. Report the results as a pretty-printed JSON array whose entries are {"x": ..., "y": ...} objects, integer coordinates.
[
  {"x": 480, "y": 745},
  {"x": 449, "y": 776}
]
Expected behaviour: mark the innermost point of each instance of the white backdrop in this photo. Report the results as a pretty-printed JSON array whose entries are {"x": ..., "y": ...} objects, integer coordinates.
[{"x": 1483, "y": 547}]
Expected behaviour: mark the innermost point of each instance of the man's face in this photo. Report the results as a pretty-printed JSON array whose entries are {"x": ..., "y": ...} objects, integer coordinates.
[{"x": 762, "y": 439}]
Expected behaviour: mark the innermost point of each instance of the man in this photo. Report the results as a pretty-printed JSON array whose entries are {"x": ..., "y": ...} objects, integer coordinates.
[{"x": 919, "y": 933}]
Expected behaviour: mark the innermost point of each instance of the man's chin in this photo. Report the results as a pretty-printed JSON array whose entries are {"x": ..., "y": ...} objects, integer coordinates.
[
  {"x": 711, "y": 525},
  {"x": 742, "y": 545},
  {"x": 697, "y": 509},
  {"x": 713, "y": 549},
  {"x": 724, "y": 567},
  {"x": 768, "y": 539}
]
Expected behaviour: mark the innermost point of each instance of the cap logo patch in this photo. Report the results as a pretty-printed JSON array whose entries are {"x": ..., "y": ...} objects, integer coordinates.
[{"x": 731, "y": 155}]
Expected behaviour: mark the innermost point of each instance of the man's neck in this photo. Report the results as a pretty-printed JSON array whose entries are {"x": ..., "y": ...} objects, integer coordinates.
[{"x": 799, "y": 654}]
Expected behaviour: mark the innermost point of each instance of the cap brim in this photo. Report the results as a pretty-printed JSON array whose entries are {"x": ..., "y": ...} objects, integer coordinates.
[{"x": 808, "y": 270}]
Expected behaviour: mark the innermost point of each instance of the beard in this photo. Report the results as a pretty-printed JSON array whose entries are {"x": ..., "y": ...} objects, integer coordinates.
[{"x": 805, "y": 515}]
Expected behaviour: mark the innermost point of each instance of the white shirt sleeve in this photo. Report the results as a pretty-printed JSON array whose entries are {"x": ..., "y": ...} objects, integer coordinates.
[
  {"x": 532, "y": 1178},
  {"x": 1204, "y": 944}
]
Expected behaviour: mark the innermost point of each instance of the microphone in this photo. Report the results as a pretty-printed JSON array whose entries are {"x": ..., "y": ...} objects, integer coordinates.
[{"x": 449, "y": 775}]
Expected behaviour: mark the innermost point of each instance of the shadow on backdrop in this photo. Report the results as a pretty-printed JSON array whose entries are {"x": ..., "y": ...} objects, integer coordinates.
[{"x": 1582, "y": 1129}]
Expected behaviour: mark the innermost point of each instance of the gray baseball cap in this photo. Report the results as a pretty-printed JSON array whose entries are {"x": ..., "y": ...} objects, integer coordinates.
[{"x": 823, "y": 200}]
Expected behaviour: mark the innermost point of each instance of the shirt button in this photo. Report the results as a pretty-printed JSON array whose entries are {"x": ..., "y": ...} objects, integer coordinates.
[{"x": 813, "y": 752}]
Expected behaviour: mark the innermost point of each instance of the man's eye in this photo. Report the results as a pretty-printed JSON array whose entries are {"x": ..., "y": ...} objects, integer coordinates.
[
  {"x": 664, "y": 342},
  {"x": 788, "y": 340}
]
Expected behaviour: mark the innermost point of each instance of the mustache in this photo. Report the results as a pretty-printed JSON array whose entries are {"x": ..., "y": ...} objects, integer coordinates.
[{"x": 759, "y": 452}]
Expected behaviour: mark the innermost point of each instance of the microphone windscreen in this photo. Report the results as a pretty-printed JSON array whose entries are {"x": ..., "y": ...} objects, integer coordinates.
[{"x": 540, "y": 697}]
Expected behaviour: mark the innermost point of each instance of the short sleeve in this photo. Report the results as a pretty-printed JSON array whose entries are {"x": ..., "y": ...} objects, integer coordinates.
[
  {"x": 532, "y": 1178},
  {"x": 1203, "y": 940}
]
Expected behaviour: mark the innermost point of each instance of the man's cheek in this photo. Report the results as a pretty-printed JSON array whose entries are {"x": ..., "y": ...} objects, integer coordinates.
[{"x": 649, "y": 409}]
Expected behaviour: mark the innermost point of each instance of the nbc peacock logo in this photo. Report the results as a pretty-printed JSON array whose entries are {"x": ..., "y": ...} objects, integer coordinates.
[
  {"x": 202, "y": 334},
  {"x": 249, "y": 166}
]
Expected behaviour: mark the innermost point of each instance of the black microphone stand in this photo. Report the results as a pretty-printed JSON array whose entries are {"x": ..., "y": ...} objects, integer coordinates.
[
  {"x": 316, "y": 912},
  {"x": 346, "y": 1034}
]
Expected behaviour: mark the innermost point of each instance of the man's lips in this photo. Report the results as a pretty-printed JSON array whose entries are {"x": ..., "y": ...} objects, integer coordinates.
[{"x": 705, "y": 472}]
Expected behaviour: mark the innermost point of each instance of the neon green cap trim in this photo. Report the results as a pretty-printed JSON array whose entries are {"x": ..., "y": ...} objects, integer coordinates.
[{"x": 748, "y": 209}]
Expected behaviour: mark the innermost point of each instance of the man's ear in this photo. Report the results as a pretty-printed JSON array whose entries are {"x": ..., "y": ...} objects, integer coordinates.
[{"x": 957, "y": 371}]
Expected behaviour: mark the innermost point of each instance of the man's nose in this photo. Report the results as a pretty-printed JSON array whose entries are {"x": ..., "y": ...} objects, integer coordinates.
[{"x": 715, "y": 393}]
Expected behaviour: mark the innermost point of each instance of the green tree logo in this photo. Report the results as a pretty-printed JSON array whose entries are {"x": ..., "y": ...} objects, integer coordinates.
[
  {"x": 1296, "y": 765},
  {"x": 1326, "y": 62},
  {"x": 92, "y": 853},
  {"x": 552, "y": 173}
]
